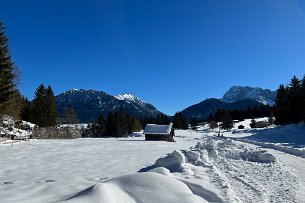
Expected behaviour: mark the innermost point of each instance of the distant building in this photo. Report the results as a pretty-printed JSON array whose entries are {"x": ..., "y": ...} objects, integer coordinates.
[{"x": 159, "y": 132}]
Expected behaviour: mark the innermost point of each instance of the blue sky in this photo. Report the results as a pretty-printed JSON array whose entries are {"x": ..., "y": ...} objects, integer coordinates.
[{"x": 170, "y": 53}]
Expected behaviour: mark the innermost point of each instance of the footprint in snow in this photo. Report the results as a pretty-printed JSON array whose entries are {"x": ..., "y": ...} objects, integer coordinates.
[
  {"x": 105, "y": 178},
  {"x": 7, "y": 183},
  {"x": 46, "y": 181}
]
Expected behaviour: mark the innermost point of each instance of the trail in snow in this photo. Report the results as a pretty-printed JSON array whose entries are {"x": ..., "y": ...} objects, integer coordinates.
[
  {"x": 296, "y": 166},
  {"x": 242, "y": 173}
]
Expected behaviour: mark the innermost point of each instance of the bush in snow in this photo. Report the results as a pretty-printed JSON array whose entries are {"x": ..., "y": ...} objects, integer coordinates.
[
  {"x": 241, "y": 127},
  {"x": 227, "y": 122},
  {"x": 262, "y": 124},
  {"x": 253, "y": 123},
  {"x": 67, "y": 132},
  {"x": 213, "y": 124}
]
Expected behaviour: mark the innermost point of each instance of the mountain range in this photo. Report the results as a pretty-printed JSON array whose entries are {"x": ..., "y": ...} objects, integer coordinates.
[
  {"x": 207, "y": 107},
  {"x": 90, "y": 104},
  {"x": 237, "y": 97}
]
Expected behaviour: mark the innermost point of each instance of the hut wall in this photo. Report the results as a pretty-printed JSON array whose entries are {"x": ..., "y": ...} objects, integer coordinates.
[{"x": 156, "y": 137}]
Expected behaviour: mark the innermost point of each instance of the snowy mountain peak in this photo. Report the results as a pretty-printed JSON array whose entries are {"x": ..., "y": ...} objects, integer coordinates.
[
  {"x": 236, "y": 93},
  {"x": 128, "y": 97}
]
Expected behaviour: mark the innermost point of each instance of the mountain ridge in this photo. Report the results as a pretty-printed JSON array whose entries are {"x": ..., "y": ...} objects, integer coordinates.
[
  {"x": 236, "y": 93},
  {"x": 205, "y": 108},
  {"x": 90, "y": 104}
]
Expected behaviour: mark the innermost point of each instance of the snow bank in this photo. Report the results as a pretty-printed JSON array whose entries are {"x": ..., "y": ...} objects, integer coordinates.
[
  {"x": 288, "y": 150},
  {"x": 209, "y": 150},
  {"x": 142, "y": 187},
  {"x": 289, "y": 139},
  {"x": 257, "y": 156},
  {"x": 238, "y": 171},
  {"x": 174, "y": 161},
  {"x": 293, "y": 134}
]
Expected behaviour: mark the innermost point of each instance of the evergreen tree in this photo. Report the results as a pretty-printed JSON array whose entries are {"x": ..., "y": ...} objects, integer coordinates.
[
  {"x": 227, "y": 122},
  {"x": 302, "y": 102},
  {"x": 70, "y": 116},
  {"x": 271, "y": 119},
  {"x": 281, "y": 106},
  {"x": 101, "y": 121},
  {"x": 164, "y": 119},
  {"x": 253, "y": 123},
  {"x": 39, "y": 106},
  {"x": 8, "y": 87},
  {"x": 294, "y": 100},
  {"x": 121, "y": 123},
  {"x": 44, "y": 107},
  {"x": 100, "y": 126},
  {"x": 194, "y": 122},
  {"x": 179, "y": 121},
  {"x": 26, "y": 111},
  {"x": 110, "y": 124},
  {"x": 50, "y": 107},
  {"x": 158, "y": 119}
]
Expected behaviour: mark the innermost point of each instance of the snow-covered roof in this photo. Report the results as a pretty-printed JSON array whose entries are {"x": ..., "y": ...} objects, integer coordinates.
[{"x": 157, "y": 129}]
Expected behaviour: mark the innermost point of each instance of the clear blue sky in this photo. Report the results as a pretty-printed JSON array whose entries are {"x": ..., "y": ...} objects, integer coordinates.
[{"x": 170, "y": 53}]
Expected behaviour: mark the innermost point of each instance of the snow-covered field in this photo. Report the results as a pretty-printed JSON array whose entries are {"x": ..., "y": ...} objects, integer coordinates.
[{"x": 199, "y": 167}]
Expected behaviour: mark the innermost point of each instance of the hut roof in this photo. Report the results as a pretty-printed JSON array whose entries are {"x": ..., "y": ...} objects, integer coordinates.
[{"x": 157, "y": 129}]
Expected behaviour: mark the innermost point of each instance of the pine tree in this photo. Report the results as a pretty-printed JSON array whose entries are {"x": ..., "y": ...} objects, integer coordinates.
[
  {"x": 70, "y": 116},
  {"x": 8, "y": 87},
  {"x": 302, "y": 110},
  {"x": 121, "y": 123},
  {"x": 227, "y": 122},
  {"x": 253, "y": 123},
  {"x": 194, "y": 122},
  {"x": 294, "y": 98},
  {"x": 44, "y": 107},
  {"x": 39, "y": 105},
  {"x": 110, "y": 124},
  {"x": 50, "y": 107},
  {"x": 179, "y": 121},
  {"x": 25, "y": 112},
  {"x": 164, "y": 119},
  {"x": 271, "y": 120},
  {"x": 281, "y": 106}
]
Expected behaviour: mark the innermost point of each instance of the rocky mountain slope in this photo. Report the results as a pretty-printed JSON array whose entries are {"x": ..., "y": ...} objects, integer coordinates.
[
  {"x": 90, "y": 104},
  {"x": 237, "y": 93}
]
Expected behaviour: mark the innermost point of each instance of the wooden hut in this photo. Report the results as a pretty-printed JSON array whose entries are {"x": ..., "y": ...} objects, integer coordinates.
[{"x": 159, "y": 132}]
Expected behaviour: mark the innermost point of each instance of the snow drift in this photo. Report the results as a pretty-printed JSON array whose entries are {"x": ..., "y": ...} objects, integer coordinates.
[{"x": 143, "y": 187}]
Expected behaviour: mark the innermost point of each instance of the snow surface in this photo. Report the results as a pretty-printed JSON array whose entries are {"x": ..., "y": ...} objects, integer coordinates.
[{"x": 199, "y": 167}]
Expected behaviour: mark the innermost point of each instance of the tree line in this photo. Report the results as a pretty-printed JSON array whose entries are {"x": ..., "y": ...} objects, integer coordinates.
[
  {"x": 179, "y": 121},
  {"x": 117, "y": 124},
  {"x": 42, "y": 110},
  {"x": 289, "y": 105},
  {"x": 242, "y": 114},
  {"x": 160, "y": 119}
]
